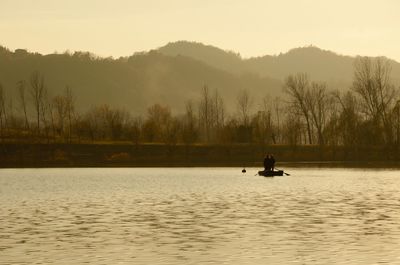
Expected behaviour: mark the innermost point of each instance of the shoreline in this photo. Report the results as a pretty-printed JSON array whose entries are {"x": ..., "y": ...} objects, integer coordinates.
[
  {"x": 90, "y": 155},
  {"x": 280, "y": 165}
]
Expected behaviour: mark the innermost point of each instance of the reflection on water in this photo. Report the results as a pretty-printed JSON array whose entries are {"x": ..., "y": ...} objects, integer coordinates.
[{"x": 193, "y": 216}]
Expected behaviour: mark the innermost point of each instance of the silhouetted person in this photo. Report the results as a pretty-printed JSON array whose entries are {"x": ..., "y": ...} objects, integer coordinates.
[
  {"x": 267, "y": 163},
  {"x": 272, "y": 162}
]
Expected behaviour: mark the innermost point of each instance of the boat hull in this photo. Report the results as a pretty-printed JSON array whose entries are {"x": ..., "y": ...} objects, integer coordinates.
[{"x": 269, "y": 173}]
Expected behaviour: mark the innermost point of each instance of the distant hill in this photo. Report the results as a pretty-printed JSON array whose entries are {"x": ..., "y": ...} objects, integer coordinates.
[
  {"x": 319, "y": 64},
  {"x": 134, "y": 83},
  {"x": 322, "y": 65},
  {"x": 221, "y": 59},
  {"x": 173, "y": 74}
]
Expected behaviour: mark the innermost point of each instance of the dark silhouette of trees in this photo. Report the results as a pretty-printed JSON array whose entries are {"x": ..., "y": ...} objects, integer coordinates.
[
  {"x": 3, "y": 113},
  {"x": 312, "y": 102},
  {"x": 218, "y": 111},
  {"x": 263, "y": 123},
  {"x": 318, "y": 102},
  {"x": 60, "y": 106},
  {"x": 349, "y": 118},
  {"x": 46, "y": 114},
  {"x": 70, "y": 108},
  {"x": 106, "y": 123},
  {"x": 211, "y": 114},
  {"x": 37, "y": 91},
  {"x": 189, "y": 128},
  {"x": 396, "y": 120},
  {"x": 244, "y": 104},
  {"x": 377, "y": 94},
  {"x": 171, "y": 131},
  {"x": 277, "y": 110},
  {"x": 368, "y": 114},
  {"x": 157, "y": 126},
  {"x": 297, "y": 87},
  {"x": 205, "y": 112},
  {"x": 22, "y": 101},
  {"x": 262, "y": 127},
  {"x": 116, "y": 122},
  {"x": 292, "y": 129},
  {"x": 135, "y": 130}
]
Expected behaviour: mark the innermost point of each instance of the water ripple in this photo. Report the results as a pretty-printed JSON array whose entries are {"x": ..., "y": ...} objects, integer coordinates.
[{"x": 192, "y": 216}]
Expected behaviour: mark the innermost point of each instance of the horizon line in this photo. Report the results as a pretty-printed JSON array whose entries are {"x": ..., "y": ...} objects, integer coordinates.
[{"x": 71, "y": 52}]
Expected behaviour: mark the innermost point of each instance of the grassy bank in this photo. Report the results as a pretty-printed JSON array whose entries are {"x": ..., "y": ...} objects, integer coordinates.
[{"x": 143, "y": 155}]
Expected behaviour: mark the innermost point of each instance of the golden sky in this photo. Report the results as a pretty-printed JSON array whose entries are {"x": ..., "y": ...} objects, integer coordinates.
[{"x": 250, "y": 27}]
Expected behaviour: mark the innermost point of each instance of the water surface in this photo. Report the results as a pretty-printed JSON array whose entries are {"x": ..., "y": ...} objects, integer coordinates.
[{"x": 199, "y": 216}]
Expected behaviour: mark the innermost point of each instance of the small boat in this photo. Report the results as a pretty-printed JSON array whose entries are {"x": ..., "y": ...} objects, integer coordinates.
[{"x": 270, "y": 173}]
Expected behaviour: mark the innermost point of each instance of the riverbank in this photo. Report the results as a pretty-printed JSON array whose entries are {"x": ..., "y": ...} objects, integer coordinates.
[{"x": 19, "y": 155}]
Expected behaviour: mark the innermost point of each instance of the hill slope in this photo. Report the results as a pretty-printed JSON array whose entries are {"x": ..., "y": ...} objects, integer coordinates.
[
  {"x": 173, "y": 74},
  {"x": 320, "y": 64},
  {"x": 133, "y": 83},
  {"x": 218, "y": 58}
]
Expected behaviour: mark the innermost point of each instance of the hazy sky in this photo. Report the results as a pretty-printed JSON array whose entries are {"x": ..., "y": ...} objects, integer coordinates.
[{"x": 250, "y": 27}]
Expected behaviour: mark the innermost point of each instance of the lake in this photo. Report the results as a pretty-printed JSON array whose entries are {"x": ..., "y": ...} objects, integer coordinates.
[{"x": 199, "y": 216}]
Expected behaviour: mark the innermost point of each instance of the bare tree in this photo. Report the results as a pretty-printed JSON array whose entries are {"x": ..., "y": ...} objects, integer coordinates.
[
  {"x": 135, "y": 130},
  {"x": 349, "y": 118},
  {"x": 205, "y": 112},
  {"x": 377, "y": 93},
  {"x": 60, "y": 106},
  {"x": 319, "y": 102},
  {"x": 117, "y": 120},
  {"x": 244, "y": 106},
  {"x": 396, "y": 112},
  {"x": 3, "y": 116},
  {"x": 70, "y": 109},
  {"x": 37, "y": 93},
  {"x": 22, "y": 101},
  {"x": 218, "y": 110},
  {"x": 171, "y": 132},
  {"x": 211, "y": 113},
  {"x": 292, "y": 127},
  {"x": 158, "y": 119},
  {"x": 45, "y": 111},
  {"x": 278, "y": 113},
  {"x": 262, "y": 123},
  {"x": 93, "y": 120},
  {"x": 297, "y": 86},
  {"x": 11, "y": 119},
  {"x": 189, "y": 130}
]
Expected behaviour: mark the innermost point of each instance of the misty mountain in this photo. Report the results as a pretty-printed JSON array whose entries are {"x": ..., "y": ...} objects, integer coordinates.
[
  {"x": 133, "y": 83},
  {"x": 321, "y": 65},
  {"x": 173, "y": 74},
  {"x": 221, "y": 59}
]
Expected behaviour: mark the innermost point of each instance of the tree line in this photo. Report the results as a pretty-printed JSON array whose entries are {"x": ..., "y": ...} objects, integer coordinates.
[{"x": 368, "y": 113}]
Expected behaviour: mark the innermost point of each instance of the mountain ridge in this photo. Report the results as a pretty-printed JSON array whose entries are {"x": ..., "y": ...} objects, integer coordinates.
[
  {"x": 320, "y": 64},
  {"x": 174, "y": 74},
  {"x": 133, "y": 83}
]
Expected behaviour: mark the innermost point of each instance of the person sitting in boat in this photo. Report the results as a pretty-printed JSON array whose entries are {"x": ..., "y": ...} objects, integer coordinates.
[
  {"x": 267, "y": 163},
  {"x": 272, "y": 162}
]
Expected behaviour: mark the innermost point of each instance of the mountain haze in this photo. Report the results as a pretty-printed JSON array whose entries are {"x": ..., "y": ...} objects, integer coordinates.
[
  {"x": 134, "y": 83},
  {"x": 221, "y": 59},
  {"x": 321, "y": 65},
  {"x": 173, "y": 74}
]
